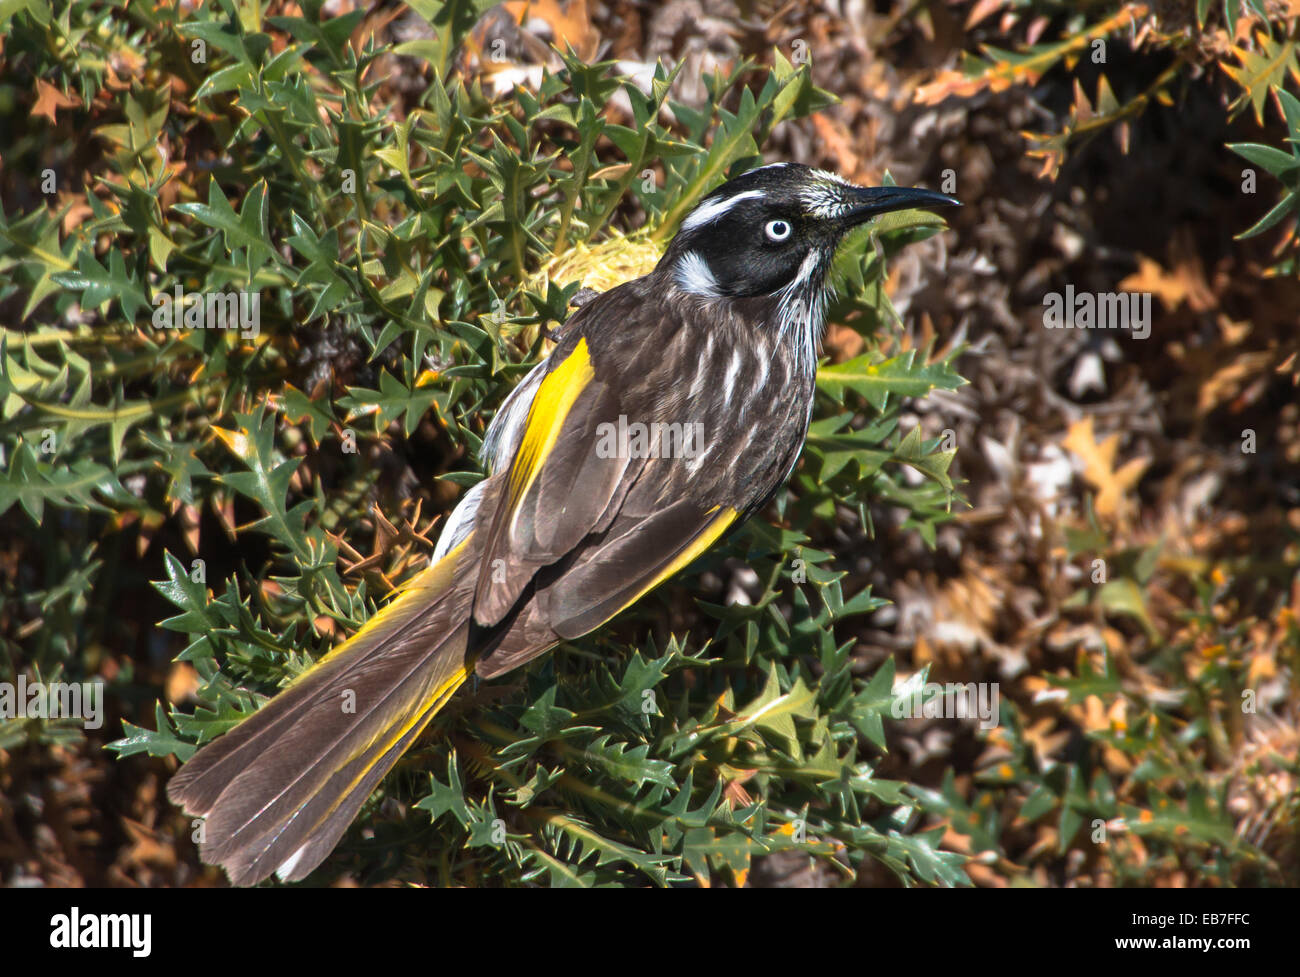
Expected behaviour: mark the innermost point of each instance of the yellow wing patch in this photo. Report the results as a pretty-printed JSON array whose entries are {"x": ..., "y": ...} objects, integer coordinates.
[
  {"x": 551, "y": 405},
  {"x": 707, "y": 537}
]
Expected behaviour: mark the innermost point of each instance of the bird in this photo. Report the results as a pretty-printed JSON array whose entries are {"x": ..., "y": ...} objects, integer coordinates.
[{"x": 714, "y": 353}]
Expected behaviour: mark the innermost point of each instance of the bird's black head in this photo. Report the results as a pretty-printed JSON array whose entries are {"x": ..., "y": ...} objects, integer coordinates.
[{"x": 776, "y": 228}]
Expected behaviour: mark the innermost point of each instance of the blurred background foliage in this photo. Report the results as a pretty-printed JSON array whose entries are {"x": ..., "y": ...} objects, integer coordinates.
[{"x": 414, "y": 191}]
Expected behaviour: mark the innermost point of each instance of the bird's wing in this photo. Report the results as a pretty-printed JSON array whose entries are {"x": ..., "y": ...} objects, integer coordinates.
[
  {"x": 558, "y": 513},
  {"x": 605, "y": 574}
]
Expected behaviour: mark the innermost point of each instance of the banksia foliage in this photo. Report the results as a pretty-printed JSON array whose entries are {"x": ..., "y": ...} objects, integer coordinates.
[{"x": 267, "y": 273}]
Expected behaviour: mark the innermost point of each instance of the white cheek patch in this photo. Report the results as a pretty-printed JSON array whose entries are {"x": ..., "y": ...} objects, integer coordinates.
[
  {"x": 712, "y": 209},
  {"x": 694, "y": 275}
]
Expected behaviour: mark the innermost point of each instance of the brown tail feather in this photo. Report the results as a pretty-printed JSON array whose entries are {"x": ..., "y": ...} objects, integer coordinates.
[
  {"x": 320, "y": 823},
  {"x": 280, "y": 788}
]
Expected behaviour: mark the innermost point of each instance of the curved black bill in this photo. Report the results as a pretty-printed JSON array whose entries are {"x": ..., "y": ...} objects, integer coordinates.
[{"x": 868, "y": 202}]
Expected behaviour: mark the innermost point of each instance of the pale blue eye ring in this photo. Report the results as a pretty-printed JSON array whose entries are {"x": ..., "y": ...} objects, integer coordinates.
[{"x": 777, "y": 230}]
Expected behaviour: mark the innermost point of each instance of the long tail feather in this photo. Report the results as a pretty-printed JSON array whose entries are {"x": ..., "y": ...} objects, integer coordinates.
[
  {"x": 279, "y": 790},
  {"x": 371, "y": 770}
]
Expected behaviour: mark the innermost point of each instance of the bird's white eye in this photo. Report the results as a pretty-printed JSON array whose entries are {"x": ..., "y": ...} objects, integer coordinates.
[{"x": 777, "y": 230}]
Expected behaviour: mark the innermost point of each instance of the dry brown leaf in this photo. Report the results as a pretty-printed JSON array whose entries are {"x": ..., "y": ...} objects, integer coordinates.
[
  {"x": 839, "y": 145},
  {"x": 146, "y": 846},
  {"x": 78, "y": 210},
  {"x": 1043, "y": 741},
  {"x": 843, "y": 343},
  {"x": 1228, "y": 381},
  {"x": 1112, "y": 484},
  {"x": 182, "y": 682},
  {"x": 49, "y": 100},
  {"x": 1171, "y": 288},
  {"x": 569, "y": 22},
  {"x": 982, "y": 9}
]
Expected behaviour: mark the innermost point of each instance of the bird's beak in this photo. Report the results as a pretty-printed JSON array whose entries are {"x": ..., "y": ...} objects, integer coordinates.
[{"x": 865, "y": 203}]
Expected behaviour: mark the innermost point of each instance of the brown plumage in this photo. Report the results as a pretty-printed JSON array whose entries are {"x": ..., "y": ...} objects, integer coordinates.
[{"x": 573, "y": 525}]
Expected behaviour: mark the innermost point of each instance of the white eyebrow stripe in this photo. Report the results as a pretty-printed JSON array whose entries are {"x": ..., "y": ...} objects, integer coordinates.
[{"x": 712, "y": 210}]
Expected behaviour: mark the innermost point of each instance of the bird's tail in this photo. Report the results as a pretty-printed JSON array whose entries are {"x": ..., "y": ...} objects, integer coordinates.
[{"x": 277, "y": 791}]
